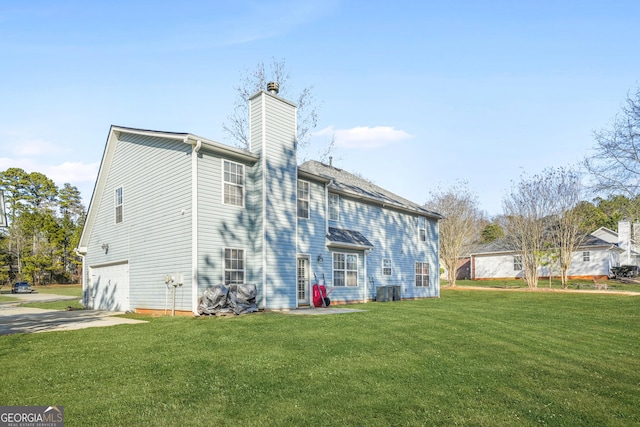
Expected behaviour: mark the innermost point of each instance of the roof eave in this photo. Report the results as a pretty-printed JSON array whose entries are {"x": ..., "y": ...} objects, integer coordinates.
[
  {"x": 344, "y": 245},
  {"x": 308, "y": 175},
  {"x": 395, "y": 206}
]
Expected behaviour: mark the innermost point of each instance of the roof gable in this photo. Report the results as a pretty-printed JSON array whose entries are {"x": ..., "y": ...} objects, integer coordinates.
[{"x": 180, "y": 137}]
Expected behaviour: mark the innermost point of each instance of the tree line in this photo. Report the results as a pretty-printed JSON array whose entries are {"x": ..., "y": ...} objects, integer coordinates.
[
  {"x": 545, "y": 216},
  {"x": 44, "y": 224}
]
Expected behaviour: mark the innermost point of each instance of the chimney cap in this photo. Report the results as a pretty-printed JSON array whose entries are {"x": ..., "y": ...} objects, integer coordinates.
[{"x": 273, "y": 88}]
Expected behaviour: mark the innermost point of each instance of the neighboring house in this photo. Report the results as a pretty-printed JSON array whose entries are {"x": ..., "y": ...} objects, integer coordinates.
[
  {"x": 204, "y": 213},
  {"x": 601, "y": 250},
  {"x": 625, "y": 238},
  {"x": 463, "y": 269}
]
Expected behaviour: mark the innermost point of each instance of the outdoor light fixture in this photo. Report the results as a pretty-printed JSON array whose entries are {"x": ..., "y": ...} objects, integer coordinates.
[
  {"x": 320, "y": 260},
  {"x": 105, "y": 247}
]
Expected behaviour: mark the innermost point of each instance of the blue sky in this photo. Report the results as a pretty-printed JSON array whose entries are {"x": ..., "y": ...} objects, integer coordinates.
[{"x": 419, "y": 94}]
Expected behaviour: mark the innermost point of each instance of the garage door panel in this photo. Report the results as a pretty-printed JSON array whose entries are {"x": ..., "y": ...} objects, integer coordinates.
[{"x": 109, "y": 287}]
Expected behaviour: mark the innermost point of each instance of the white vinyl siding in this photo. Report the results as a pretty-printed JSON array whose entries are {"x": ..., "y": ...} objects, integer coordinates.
[
  {"x": 233, "y": 183},
  {"x": 345, "y": 269}
]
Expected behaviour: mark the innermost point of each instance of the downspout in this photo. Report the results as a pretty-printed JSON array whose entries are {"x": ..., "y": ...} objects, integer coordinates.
[
  {"x": 194, "y": 226},
  {"x": 264, "y": 199},
  {"x": 437, "y": 275},
  {"x": 364, "y": 286}
]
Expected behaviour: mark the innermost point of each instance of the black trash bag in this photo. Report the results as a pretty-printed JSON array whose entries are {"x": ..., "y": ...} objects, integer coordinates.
[{"x": 214, "y": 300}]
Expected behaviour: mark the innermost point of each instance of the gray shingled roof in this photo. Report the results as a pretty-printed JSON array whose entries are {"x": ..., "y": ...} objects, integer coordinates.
[
  {"x": 350, "y": 237},
  {"x": 503, "y": 245},
  {"x": 343, "y": 181}
]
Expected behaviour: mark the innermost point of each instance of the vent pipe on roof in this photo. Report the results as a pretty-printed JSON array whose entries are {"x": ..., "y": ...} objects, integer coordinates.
[
  {"x": 330, "y": 161},
  {"x": 273, "y": 88}
]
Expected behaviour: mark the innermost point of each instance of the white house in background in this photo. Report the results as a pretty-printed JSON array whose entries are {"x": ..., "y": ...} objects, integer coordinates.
[
  {"x": 626, "y": 237},
  {"x": 602, "y": 250}
]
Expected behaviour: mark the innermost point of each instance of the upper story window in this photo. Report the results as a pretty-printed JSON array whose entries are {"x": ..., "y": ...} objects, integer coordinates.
[
  {"x": 303, "y": 199},
  {"x": 422, "y": 228},
  {"x": 422, "y": 274},
  {"x": 517, "y": 262},
  {"x": 233, "y": 266},
  {"x": 586, "y": 256},
  {"x": 386, "y": 267},
  {"x": 233, "y": 183},
  {"x": 118, "y": 204},
  {"x": 334, "y": 207}
]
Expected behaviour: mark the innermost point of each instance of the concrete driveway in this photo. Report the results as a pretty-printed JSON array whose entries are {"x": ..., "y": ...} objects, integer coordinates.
[{"x": 25, "y": 320}]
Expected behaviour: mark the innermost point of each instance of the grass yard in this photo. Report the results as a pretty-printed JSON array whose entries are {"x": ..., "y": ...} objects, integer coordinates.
[
  {"x": 584, "y": 284},
  {"x": 66, "y": 290},
  {"x": 468, "y": 358}
]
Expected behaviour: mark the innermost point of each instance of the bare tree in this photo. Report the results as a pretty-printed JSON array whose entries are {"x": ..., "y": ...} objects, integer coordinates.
[
  {"x": 527, "y": 208},
  {"x": 459, "y": 228},
  {"x": 566, "y": 191},
  {"x": 615, "y": 163},
  {"x": 541, "y": 218},
  {"x": 251, "y": 82}
]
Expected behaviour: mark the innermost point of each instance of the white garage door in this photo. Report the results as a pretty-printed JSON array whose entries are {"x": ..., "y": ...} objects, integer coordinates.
[{"x": 109, "y": 287}]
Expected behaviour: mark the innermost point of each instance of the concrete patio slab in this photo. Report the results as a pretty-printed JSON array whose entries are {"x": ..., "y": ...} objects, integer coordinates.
[{"x": 26, "y": 320}]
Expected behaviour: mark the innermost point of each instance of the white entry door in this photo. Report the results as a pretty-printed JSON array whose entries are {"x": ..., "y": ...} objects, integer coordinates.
[{"x": 303, "y": 280}]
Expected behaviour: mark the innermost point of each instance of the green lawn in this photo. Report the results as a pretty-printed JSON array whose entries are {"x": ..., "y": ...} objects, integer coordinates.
[
  {"x": 67, "y": 290},
  {"x": 614, "y": 285},
  {"x": 468, "y": 358}
]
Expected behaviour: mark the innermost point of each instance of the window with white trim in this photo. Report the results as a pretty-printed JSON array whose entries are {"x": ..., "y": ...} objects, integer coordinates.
[
  {"x": 303, "y": 199},
  {"x": 233, "y": 183},
  {"x": 422, "y": 274},
  {"x": 386, "y": 267},
  {"x": 233, "y": 266},
  {"x": 334, "y": 207},
  {"x": 586, "y": 256},
  {"x": 422, "y": 229},
  {"x": 345, "y": 269},
  {"x": 517, "y": 262},
  {"x": 119, "y": 205}
]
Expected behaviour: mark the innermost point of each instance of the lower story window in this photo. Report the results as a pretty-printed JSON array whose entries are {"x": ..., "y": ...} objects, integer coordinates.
[
  {"x": 586, "y": 256},
  {"x": 422, "y": 274},
  {"x": 233, "y": 266},
  {"x": 386, "y": 267},
  {"x": 345, "y": 269}
]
